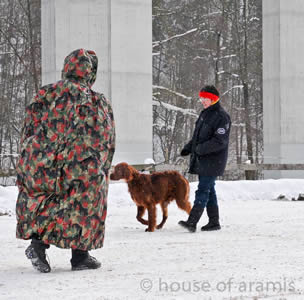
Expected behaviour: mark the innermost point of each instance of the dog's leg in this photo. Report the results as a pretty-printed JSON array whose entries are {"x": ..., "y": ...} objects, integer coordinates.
[
  {"x": 140, "y": 212},
  {"x": 151, "y": 217},
  {"x": 164, "y": 206}
]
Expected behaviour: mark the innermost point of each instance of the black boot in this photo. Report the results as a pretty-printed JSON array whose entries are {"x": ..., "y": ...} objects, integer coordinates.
[
  {"x": 36, "y": 253},
  {"x": 194, "y": 216},
  {"x": 82, "y": 260},
  {"x": 213, "y": 224}
]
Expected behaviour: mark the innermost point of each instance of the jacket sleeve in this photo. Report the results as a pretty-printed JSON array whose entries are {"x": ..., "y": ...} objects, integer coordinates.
[
  {"x": 219, "y": 139},
  {"x": 188, "y": 146}
]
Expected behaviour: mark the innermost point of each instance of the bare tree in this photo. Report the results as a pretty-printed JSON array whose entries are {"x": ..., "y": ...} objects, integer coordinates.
[{"x": 19, "y": 70}]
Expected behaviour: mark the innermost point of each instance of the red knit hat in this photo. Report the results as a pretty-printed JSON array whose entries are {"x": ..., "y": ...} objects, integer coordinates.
[{"x": 209, "y": 92}]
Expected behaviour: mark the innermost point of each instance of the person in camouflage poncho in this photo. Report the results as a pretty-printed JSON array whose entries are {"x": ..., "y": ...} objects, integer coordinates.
[{"x": 67, "y": 146}]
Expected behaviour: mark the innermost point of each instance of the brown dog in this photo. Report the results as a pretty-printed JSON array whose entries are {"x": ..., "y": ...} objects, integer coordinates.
[{"x": 149, "y": 190}]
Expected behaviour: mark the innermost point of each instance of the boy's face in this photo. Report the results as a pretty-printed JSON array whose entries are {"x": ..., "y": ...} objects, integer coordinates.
[{"x": 206, "y": 102}]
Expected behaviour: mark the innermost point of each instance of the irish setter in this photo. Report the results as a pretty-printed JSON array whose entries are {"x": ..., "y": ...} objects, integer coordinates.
[{"x": 149, "y": 190}]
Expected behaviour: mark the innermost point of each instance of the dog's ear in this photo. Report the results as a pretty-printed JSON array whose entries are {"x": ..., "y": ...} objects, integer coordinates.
[
  {"x": 125, "y": 171},
  {"x": 112, "y": 173}
]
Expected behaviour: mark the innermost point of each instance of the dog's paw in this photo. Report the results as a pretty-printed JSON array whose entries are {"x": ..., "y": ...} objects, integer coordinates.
[
  {"x": 159, "y": 226},
  {"x": 149, "y": 230}
]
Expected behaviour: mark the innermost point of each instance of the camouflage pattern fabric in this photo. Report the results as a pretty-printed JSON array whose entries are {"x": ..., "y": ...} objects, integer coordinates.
[{"x": 67, "y": 146}]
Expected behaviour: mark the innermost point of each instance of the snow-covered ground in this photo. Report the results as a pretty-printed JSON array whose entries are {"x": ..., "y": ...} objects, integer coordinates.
[{"x": 258, "y": 254}]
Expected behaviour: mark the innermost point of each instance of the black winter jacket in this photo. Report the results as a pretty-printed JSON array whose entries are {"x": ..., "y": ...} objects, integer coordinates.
[{"x": 209, "y": 144}]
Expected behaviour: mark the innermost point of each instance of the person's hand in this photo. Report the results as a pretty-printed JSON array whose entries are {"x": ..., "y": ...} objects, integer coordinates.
[{"x": 185, "y": 152}]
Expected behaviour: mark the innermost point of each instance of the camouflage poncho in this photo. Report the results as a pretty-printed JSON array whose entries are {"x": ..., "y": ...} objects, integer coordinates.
[{"x": 67, "y": 147}]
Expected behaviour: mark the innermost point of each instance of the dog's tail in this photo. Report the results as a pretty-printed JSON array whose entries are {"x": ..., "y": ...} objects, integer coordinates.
[{"x": 182, "y": 190}]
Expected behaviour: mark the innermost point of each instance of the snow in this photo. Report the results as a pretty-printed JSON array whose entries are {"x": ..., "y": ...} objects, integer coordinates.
[
  {"x": 8, "y": 196},
  {"x": 149, "y": 161},
  {"x": 258, "y": 254}
]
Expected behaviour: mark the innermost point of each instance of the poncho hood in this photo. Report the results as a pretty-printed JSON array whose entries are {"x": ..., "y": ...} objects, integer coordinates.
[{"x": 81, "y": 65}]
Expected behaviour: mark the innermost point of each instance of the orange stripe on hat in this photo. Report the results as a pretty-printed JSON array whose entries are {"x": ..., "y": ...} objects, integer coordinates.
[{"x": 209, "y": 96}]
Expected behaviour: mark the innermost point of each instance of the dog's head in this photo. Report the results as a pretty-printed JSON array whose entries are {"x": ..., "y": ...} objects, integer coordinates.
[{"x": 121, "y": 171}]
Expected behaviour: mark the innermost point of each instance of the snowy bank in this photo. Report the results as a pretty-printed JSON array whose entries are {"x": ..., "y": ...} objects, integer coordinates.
[
  {"x": 268, "y": 189},
  {"x": 226, "y": 190}
]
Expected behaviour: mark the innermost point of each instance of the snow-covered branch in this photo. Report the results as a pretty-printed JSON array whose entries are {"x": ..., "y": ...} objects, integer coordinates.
[
  {"x": 157, "y": 43},
  {"x": 228, "y": 73},
  {"x": 4, "y": 53},
  {"x": 200, "y": 57},
  {"x": 171, "y": 91},
  {"x": 238, "y": 125},
  {"x": 234, "y": 87},
  {"x": 9, "y": 155},
  {"x": 185, "y": 111},
  {"x": 226, "y": 56}
]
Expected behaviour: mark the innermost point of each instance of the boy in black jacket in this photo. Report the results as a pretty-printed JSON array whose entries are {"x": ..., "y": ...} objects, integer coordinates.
[{"x": 209, "y": 152}]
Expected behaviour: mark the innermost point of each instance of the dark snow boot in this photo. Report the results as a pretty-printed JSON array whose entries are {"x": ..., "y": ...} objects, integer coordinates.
[
  {"x": 82, "y": 260},
  {"x": 36, "y": 253},
  {"x": 213, "y": 224},
  {"x": 194, "y": 216}
]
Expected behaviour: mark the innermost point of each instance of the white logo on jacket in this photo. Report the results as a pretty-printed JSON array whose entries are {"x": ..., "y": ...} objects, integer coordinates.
[{"x": 221, "y": 131}]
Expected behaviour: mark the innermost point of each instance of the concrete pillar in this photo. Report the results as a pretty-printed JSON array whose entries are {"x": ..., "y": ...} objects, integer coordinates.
[
  {"x": 120, "y": 32},
  {"x": 283, "y": 88}
]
